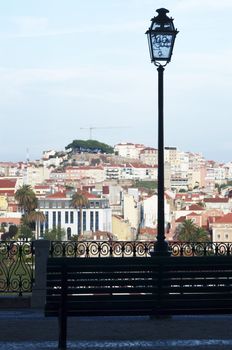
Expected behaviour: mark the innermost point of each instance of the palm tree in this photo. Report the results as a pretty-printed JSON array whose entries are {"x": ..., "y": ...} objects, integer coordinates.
[
  {"x": 26, "y": 198},
  {"x": 201, "y": 235},
  {"x": 38, "y": 217},
  {"x": 190, "y": 232},
  {"x": 79, "y": 201}
]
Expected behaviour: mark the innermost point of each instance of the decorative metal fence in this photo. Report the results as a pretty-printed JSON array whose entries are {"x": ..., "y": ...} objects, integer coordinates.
[
  {"x": 16, "y": 267},
  {"x": 135, "y": 248},
  {"x": 17, "y": 258}
]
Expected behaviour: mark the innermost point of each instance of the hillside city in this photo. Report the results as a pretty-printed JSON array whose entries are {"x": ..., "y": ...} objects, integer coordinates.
[{"x": 120, "y": 195}]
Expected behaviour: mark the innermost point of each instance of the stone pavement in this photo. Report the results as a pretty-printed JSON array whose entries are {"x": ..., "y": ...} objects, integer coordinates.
[{"x": 28, "y": 329}]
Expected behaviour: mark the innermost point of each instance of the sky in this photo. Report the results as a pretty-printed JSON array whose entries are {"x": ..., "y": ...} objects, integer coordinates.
[{"x": 68, "y": 65}]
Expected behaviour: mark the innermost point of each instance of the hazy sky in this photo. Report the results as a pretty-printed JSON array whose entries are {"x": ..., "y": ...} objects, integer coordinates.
[{"x": 72, "y": 64}]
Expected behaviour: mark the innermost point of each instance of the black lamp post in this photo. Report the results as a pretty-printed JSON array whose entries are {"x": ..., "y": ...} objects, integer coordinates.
[{"x": 161, "y": 37}]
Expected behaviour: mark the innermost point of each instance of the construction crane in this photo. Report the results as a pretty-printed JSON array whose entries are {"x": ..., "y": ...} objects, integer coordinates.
[{"x": 91, "y": 128}]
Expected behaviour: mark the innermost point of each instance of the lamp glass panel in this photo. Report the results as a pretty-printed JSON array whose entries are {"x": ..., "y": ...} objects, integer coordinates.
[
  {"x": 163, "y": 26},
  {"x": 162, "y": 45}
]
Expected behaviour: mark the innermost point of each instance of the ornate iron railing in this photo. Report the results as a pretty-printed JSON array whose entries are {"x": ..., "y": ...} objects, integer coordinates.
[
  {"x": 135, "y": 248},
  {"x": 16, "y": 267}
]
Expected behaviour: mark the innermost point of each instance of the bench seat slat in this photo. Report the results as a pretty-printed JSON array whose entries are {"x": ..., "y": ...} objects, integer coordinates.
[{"x": 91, "y": 291}]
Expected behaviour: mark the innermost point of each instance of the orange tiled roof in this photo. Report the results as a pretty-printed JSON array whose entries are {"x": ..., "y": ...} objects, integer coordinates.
[
  {"x": 193, "y": 207},
  {"x": 7, "y": 183},
  {"x": 15, "y": 221},
  {"x": 216, "y": 200},
  {"x": 226, "y": 219},
  {"x": 148, "y": 230},
  {"x": 89, "y": 195},
  {"x": 57, "y": 195},
  {"x": 42, "y": 187},
  {"x": 181, "y": 219},
  {"x": 193, "y": 214},
  {"x": 212, "y": 219}
]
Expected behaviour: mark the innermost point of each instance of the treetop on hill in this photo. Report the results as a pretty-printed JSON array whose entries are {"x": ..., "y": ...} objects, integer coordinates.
[{"x": 89, "y": 146}]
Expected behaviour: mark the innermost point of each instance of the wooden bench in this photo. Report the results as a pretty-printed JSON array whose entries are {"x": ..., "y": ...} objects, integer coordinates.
[{"x": 137, "y": 286}]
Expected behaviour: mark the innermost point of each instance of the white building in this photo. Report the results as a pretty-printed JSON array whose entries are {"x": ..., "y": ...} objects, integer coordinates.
[
  {"x": 35, "y": 173},
  {"x": 96, "y": 216},
  {"x": 131, "y": 210},
  {"x": 150, "y": 212},
  {"x": 112, "y": 172},
  {"x": 222, "y": 229},
  {"x": 149, "y": 156},
  {"x": 131, "y": 171},
  {"x": 170, "y": 154},
  {"x": 139, "y": 172},
  {"x": 128, "y": 150},
  {"x": 93, "y": 173}
]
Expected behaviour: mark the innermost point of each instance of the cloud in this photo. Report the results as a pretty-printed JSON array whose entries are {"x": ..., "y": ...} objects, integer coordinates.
[
  {"x": 35, "y": 27},
  {"x": 27, "y": 24},
  {"x": 24, "y": 76},
  {"x": 199, "y": 5}
]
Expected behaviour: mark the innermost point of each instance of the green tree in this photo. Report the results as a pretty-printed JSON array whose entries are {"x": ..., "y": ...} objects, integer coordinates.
[
  {"x": 25, "y": 232},
  {"x": 201, "y": 204},
  {"x": 182, "y": 190},
  {"x": 13, "y": 230},
  {"x": 151, "y": 185},
  {"x": 188, "y": 231},
  {"x": 201, "y": 235},
  {"x": 90, "y": 146},
  {"x": 26, "y": 198},
  {"x": 36, "y": 217},
  {"x": 55, "y": 234},
  {"x": 79, "y": 201}
]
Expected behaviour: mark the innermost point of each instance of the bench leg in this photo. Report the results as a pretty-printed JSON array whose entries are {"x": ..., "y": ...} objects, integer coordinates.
[{"x": 62, "y": 331}]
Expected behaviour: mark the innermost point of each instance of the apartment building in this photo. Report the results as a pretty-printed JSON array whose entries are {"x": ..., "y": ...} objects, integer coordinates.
[
  {"x": 35, "y": 173},
  {"x": 170, "y": 154},
  {"x": 128, "y": 150},
  {"x": 137, "y": 171},
  {"x": 94, "y": 173},
  {"x": 222, "y": 229},
  {"x": 224, "y": 204},
  {"x": 149, "y": 156},
  {"x": 112, "y": 172},
  {"x": 96, "y": 216}
]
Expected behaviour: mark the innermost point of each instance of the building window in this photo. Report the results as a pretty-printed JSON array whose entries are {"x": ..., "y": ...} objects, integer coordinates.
[
  {"x": 96, "y": 221},
  {"x": 84, "y": 220},
  {"x": 66, "y": 217},
  {"x": 91, "y": 220},
  {"x": 218, "y": 236},
  {"x": 41, "y": 229},
  {"x": 46, "y": 220},
  {"x": 69, "y": 233},
  {"x": 71, "y": 217},
  {"x": 226, "y": 236},
  {"x": 59, "y": 219},
  {"x": 53, "y": 219},
  {"x": 79, "y": 222}
]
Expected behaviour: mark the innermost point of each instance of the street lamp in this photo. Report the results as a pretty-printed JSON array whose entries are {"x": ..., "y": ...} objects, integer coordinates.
[{"x": 161, "y": 37}]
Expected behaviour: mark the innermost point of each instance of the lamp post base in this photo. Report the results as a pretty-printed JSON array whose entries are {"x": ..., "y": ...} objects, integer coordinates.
[{"x": 161, "y": 249}]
